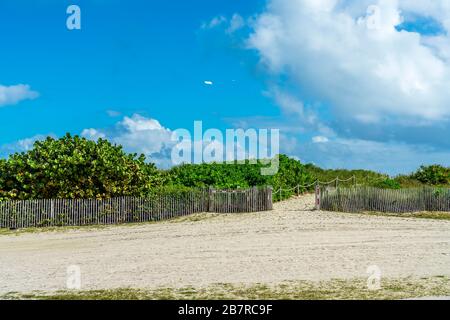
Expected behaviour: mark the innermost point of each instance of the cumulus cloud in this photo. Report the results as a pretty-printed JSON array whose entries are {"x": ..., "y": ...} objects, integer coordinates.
[
  {"x": 230, "y": 25},
  {"x": 386, "y": 157},
  {"x": 236, "y": 22},
  {"x": 353, "y": 72},
  {"x": 10, "y": 95},
  {"x": 22, "y": 145},
  {"x": 140, "y": 135},
  {"x": 305, "y": 117},
  {"x": 143, "y": 135},
  {"x": 215, "y": 22},
  {"x": 137, "y": 134},
  {"x": 93, "y": 134},
  {"x": 360, "y": 65}
]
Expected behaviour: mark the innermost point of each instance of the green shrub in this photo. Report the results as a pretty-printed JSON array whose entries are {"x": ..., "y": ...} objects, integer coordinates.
[
  {"x": 406, "y": 181},
  {"x": 240, "y": 175},
  {"x": 433, "y": 175},
  {"x": 387, "y": 184},
  {"x": 74, "y": 167},
  {"x": 363, "y": 177}
]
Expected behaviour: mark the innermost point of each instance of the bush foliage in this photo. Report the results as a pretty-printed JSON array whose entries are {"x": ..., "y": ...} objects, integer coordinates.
[
  {"x": 433, "y": 175},
  {"x": 240, "y": 175},
  {"x": 365, "y": 177},
  {"x": 386, "y": 184},
  {"x": 74, "y": 167}
]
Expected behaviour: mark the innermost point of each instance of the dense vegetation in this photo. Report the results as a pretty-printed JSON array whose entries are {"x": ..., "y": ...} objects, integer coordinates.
[
  {"x": 74, "y": 167},
  {"x": 239, "y": 175},
  {"x": 362, "y": 176},
  {"x": 434, "y": 175}
]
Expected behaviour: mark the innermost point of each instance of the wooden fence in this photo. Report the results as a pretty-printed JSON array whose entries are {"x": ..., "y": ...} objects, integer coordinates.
[
  {"x": 360, "y": 199},
  {"x": 245, "y": 200},
  {"x": 155, "y": 207}
]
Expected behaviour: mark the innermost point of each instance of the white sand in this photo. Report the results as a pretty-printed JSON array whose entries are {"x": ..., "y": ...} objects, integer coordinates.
[{"x": 290, "y": 243}]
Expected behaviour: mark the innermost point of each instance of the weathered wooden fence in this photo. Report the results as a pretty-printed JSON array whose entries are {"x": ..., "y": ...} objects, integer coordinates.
[
  {"x": 155, "y": 207},
  {"x": 360, "y": 199},
  {"x": 241, "y": 200}
]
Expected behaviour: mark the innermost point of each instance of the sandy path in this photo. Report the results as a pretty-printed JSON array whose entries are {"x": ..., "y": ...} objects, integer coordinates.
[{"x": 289, "y": 243}]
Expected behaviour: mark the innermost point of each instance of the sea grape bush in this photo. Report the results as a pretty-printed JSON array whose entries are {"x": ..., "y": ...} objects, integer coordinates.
[
  {"x": 74, "y": 167},
  {"x": 387, "y": 184},
  {"x": 240, "y": 175},
  {"x": 433, "y": 175}
]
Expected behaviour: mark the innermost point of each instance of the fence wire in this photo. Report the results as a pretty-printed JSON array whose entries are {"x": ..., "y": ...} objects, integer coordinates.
[{"x": 283, "y": 194}]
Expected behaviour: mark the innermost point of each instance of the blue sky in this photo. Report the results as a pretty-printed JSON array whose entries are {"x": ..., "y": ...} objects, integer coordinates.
[
  {"x": 130, "y": 56},
  {"x": 342, "y": 97}
]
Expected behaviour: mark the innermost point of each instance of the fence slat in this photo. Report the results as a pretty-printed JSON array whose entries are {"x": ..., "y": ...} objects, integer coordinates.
[
  {"x": 359, "y": 199},
  {"x": 77, "y": 212}
]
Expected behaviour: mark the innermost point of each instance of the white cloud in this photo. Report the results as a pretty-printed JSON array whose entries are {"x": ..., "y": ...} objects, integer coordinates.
[
  {"x": 230, "y": 25},
  {"x": 208, "y": 83},
  {"x": 371, "y": 75},
  {"x": 342, "y": 71},
  {"x": 143, "y": 135},
  {"x": 288, "y": 103},
  {"x": 236, "y": 23},
  {"x": 92, "y": 134},
  {"x": 138, "y": 134},
  {"x": 215, "y": 22},
  {"x": 22, "y": 145},
  {"x": 10, "y": 95},
  {"x": 138, "y": 123},
  {"x": 386, "y": 157}
]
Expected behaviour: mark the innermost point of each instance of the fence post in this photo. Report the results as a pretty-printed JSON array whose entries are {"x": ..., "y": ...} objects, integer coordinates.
[
  {"x": 210, "y": 198},
  {"x": 256, "y": 198},
  {"x": 270, "y": 199},
  {"x": 11, "y": 220},
  {"x": 52, "y": 209},
  {"x": 317, "y": 196}
]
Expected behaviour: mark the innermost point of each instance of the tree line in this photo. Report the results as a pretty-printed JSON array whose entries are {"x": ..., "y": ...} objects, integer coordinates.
[{"x": 74, "y": 167}]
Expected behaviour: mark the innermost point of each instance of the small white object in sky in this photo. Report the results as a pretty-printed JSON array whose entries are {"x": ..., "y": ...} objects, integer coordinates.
[
  {"x": 320, "y": 139},
  {"x": 208, "y": 83}
]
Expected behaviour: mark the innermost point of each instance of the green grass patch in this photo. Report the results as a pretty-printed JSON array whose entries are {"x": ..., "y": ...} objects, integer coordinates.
[
  {"x": 421, "y": 215},
  {"x": 391, "y": 289}
]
